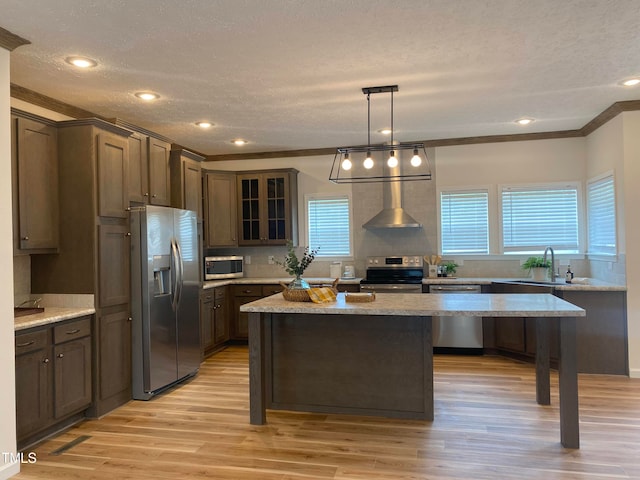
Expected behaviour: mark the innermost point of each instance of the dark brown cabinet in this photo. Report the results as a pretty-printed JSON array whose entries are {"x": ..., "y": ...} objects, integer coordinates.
[
  {"x": 186, "y": 181},
  {"x": 601, "y": 335},
  {"x": 214, "y": 319},
  {"x": 35, "y": 184},
  {"x": 267, "y": 207},
  {"x": 113, "y": 173},
  {"x": 113, "y": 360},
  {"x": 95, "y": 246},
  {"x": 159, "y": 152},
  {"x": 220, "y": 209},
  {"x": 149, "y": 170},
  {"x": 53, "y": 377},
  {"x": 244, "y": 294}
]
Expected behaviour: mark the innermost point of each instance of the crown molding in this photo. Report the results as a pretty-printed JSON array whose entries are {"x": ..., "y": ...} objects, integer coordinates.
[{"x": 11, "y": 41}]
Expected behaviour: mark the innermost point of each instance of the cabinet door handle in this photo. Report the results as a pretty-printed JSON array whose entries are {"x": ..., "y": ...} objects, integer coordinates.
[
  {"x": 128, "y": 234},
  {"x": 146, "y": 194},
  {"x": 25, "y": 238},
  {"x": 26, "y": 344},
  {"x": 154, "y": 195},
  {"x": 129, "y": 319},
  {"x": 45, "y": 361},
  {"x": 60, "y": 355}
]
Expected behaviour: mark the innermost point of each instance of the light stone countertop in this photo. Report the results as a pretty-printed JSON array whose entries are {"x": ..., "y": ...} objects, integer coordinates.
[
  {"x": 275, "y": 281},
  {"x": 49, "y": 316},
  {"x": 402, "y": 304},
  {"x": 593, "y": 285}
]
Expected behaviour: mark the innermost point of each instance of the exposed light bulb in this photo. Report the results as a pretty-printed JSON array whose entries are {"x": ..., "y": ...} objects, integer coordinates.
[
  {"x": 392, "y": 161},
  {"x": 368, "y": 162},
  {"x": 416, "y": 161},
  {"x": 346, "y": 163}
]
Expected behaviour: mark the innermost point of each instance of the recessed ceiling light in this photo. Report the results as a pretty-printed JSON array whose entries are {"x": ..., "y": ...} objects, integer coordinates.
[
  {"x": 524, "y": 121},
  {"x": 204, "y": 124},
  {"x": 81, "y": 62},
  {"x": 147, "y": 96},
  {"x": 239, "y": 142},
  {"x": 630, "y": 82},
  {"x": 384, "y": 131}
]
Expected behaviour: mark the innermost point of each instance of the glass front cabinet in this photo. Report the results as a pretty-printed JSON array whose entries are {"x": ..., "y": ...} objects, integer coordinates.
[{"x": 268, "y": 207}]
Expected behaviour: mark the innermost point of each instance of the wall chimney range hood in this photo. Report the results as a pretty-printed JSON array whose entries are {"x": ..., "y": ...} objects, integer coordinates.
[{"x": 392, "y": 215}]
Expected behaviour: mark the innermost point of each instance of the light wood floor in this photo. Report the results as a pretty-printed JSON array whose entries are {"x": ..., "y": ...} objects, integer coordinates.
[{"x": 487, "y": 426}]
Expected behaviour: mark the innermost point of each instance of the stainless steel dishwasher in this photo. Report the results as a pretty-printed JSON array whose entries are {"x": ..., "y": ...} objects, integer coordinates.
[{"x": 462, "y": 334}]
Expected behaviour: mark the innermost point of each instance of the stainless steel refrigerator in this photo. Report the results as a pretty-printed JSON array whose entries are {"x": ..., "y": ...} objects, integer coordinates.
[{"x": 165, "y": 283}]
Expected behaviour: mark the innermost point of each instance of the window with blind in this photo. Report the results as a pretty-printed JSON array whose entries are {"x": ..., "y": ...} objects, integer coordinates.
[
  {"x": 601, "y": 211},
  {"x": 329, "y": 225},
  {"x": 464, "y": 222},
  {"x": 536, "y": 217}
]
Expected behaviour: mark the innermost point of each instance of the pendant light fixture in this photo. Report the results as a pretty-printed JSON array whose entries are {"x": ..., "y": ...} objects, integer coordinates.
[{"x": 389, "y": 162}]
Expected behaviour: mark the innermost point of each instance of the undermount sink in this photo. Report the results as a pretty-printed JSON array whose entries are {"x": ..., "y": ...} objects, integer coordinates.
[{"x": 532, "y": 282}]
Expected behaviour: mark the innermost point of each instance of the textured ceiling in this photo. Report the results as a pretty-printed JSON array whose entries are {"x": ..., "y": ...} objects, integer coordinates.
[{"x": 287, "y": 74}]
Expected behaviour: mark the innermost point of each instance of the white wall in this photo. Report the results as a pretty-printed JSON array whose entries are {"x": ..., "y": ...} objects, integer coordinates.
[
  {"x": 631, "y": 179},
  {"x": 532, "y": 161},
  {"x": 7, "y": 371}
]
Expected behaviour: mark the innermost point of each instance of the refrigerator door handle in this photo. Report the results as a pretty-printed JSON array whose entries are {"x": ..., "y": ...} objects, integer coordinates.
[
  {"x": 180, "y": 280},
  {"x": 175, "y": 277}
]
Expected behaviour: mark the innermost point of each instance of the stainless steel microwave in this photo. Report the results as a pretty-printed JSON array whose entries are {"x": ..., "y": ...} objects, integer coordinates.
[{"x": 216, "y": 268}]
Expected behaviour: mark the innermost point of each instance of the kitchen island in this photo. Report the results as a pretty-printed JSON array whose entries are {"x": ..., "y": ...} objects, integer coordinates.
[{"x": 377, "y": 358}]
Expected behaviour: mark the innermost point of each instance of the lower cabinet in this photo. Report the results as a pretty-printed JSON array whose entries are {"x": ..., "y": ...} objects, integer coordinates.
[
  {"x": 601, "y": 336},
  {"x": 53, "y": 377},
  {"x": 112, "y": 380},
  {"x": 214, "y": 319},
  {"x": 245, "y": 294}
]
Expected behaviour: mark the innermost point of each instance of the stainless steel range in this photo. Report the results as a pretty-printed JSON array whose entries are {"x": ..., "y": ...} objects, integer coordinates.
[{"x": 398, "y": 274}]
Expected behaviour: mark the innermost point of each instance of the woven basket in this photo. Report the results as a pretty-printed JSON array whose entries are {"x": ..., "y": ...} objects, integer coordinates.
[{"x": 299, "y": 295}]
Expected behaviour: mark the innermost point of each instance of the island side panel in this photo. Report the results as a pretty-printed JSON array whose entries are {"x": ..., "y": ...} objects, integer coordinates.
[
  {"x": 257, "y": 380},
  {"x": 356, "y": 364},
  {"x": 427, "y": 340}
]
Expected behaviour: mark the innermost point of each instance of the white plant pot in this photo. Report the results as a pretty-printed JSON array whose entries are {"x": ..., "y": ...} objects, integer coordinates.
[{"x": 539, "y": 274}]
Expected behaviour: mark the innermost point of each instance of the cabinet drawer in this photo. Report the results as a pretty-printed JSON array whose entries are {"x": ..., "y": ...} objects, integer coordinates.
[
  {"x": 220, "y": 293},
  {"x": 247, "y": 290},
  {"x": 29, "y": 342},
  {"x": 206, "y": 295},
  {"x": 268, "y": 290},
  {"x": 72, "y": 330}
]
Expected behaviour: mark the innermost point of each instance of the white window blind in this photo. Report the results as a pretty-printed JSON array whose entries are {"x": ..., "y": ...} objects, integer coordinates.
[
  {"x": 464, "y": 222},
  {"x": 329, "y": 225},
  {"x": 533, "y": 218},
  {"x": 601, "y": 211}
]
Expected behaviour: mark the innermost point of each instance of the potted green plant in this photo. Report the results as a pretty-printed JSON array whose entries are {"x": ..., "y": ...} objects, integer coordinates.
[
  {"x": 537, "y": 267},
  {"x": 449, "y": 268},
  {"x": 295, "y": 266}
]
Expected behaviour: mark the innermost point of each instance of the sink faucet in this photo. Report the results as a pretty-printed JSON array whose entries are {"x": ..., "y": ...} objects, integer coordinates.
[{"x": 553, "y": 259}]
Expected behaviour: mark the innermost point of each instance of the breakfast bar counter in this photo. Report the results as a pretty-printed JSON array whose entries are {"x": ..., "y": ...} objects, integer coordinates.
[{"x": 377, "y": 358}]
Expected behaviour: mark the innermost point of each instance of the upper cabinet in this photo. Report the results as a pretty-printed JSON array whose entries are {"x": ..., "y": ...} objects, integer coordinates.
[
  {"x": 159, "y": 172},
  {"x": 149, "y": 169},
  {"x": 35, "y": 184},
  {"x": 186, "y": 182},
  {"x": 268, "y": 207},
  {"x": 220, "y": 209}
]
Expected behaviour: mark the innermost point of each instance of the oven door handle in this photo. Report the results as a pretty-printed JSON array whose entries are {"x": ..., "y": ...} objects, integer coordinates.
[{"x": 391, "y": 288}]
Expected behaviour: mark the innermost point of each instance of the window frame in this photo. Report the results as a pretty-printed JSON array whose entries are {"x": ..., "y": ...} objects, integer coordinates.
[
  {"x": 610, "y": 174},
  {"x": 490, "y": 217},
  {"x": 580, "y": 214},
  {"x": 327, "y": 196}
]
